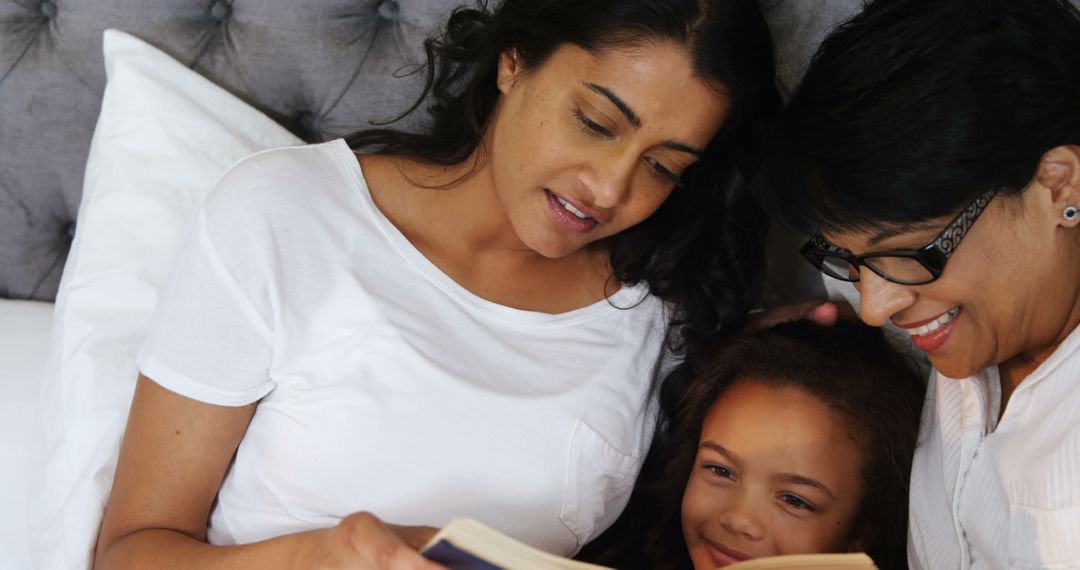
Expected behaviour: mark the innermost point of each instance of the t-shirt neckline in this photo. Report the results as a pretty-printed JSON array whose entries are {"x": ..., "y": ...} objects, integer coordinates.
[{"x": 625, "y": 298}]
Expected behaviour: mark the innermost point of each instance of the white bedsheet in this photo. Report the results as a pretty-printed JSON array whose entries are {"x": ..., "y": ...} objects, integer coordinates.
[{"x": 24, "y": 335}]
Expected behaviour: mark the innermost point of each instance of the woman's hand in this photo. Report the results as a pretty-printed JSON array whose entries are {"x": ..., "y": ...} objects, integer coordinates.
[
  {"x": 821, "y": 312},
  {"x": 363, "y": 542}
]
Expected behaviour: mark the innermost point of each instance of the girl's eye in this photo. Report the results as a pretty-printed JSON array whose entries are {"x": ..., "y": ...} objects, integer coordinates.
[
  {"x": 796, "y": 502},
  {"x": 591, "y": 125},
  {"x": 662, "y": 170},
  {"x": 720, "y": 471}
]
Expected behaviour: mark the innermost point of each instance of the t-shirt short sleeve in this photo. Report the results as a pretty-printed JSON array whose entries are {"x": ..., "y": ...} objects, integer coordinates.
[{"x": 207, "y": 340}]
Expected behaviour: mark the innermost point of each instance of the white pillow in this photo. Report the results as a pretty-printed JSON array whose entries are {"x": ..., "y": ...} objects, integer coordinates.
[{"x": 165, "y": 134}]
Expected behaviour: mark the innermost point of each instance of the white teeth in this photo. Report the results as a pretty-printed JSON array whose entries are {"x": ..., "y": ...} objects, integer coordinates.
[
  {"x": 570, "y": 208},
  {"x": 934, "y": 324}
]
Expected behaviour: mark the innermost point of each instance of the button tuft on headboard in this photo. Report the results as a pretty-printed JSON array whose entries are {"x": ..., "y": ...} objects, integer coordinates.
[
  {"x": 389, "y": 9},
  {"x": 331, "y": 58},
  {"x": 48, "y": 9},
  {"x": 307, "y": 125},
  {"x": 221, "y": 10}
]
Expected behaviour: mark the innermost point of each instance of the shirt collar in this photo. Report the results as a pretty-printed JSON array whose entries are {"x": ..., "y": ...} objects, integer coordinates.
[{"x": 1063, "y": 353}]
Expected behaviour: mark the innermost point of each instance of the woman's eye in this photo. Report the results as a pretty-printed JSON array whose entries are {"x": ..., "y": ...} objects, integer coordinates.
[
  {"x": 662, "y": 170},
  {"x": 720, "y": 471},
  {"x": 591, "y": 125},
  {"x": 796, "y": 502}
]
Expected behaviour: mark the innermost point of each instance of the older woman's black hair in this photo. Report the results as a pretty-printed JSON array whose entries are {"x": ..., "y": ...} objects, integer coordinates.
[
  {"x": 702, "y": 251},
  {"x": 850, "y": 368},
  {"x": 914, "y": 107}
]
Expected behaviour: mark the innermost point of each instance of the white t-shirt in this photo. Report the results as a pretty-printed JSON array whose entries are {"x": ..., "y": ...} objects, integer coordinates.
[
  {"x": 385, "y": 386},
  {"x": 990, "y": 494}
]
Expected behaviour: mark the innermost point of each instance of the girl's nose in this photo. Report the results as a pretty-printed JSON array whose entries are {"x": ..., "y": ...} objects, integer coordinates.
[{"x": 742, "y": 519}]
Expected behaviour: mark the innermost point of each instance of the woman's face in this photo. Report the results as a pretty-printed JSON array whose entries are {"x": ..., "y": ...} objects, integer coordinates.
[
  {"x": 776, "y": 473},
  {"x": 1009, "y": 290},
  {"x": 588, "y": 144}
]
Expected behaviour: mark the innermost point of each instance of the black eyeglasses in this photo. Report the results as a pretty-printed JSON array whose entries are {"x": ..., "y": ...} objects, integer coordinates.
[{"x": 904, "y": 266}]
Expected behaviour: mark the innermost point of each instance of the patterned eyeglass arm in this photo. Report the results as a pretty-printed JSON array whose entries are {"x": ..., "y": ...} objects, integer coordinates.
[{"x": 958, "y": 228}]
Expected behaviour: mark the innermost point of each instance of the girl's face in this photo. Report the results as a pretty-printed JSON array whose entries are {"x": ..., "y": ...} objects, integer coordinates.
[
  {"x": 1009, "y": 290},
  {"x": 589, "y": 144},
  {"x": 776, "y": 473}
]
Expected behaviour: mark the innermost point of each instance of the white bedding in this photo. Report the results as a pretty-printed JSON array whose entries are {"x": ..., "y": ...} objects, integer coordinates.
[{"x": 24, "y": 335}]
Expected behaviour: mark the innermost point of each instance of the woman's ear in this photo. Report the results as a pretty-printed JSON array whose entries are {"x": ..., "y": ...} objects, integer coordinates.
[
  {"x": 1059, "y": 172},
  {"x": 510, "y": 68}
]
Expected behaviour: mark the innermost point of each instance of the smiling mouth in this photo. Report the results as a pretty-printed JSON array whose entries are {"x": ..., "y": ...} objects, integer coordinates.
[
  {"x": 724, "y": 556},
  {"x": 944, "y": 319},
  {"x": 570, "y": 208},
  {"x": 571, "y": 217}
]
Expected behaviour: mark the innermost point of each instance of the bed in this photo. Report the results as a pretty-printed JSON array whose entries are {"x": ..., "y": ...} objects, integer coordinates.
[
  {"x": 25, "y": 337},
  {"x": 78, "y": 275}
]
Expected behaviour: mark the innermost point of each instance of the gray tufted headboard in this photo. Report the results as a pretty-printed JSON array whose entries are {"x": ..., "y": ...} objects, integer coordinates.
[{"x": 322, "y": 68}]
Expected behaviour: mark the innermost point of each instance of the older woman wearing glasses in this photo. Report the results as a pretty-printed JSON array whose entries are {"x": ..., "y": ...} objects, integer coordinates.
[{"x": 934, "y": 150}]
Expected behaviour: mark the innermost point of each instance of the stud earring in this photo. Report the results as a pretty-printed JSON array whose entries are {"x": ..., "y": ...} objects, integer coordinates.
[{"x": 1070, "y": 213}]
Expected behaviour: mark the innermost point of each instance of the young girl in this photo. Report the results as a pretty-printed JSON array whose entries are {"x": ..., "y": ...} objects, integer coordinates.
[{"x": 797, "y": 439}]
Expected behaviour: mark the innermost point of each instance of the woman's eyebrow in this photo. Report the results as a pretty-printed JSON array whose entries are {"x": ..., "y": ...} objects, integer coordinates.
[
  {"x": 801, "y": 480},
  {"x": 621, "y": 105},
  {"x": 635, "y": 121},
  {"x": 885, "y": 233},
  {"x": 675, "y": 145}
]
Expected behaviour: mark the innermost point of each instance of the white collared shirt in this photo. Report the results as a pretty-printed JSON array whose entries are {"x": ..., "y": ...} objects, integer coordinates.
[{"x": 990, "y": 492}]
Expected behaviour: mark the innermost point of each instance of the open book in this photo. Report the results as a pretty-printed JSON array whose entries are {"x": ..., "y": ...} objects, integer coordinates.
[{"x": 465, "y": 544}]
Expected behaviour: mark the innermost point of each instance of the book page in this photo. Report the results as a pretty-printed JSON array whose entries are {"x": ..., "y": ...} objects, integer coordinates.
[
  {"x": 465, "y": 544},
  {"x": 848, "y": 561}
]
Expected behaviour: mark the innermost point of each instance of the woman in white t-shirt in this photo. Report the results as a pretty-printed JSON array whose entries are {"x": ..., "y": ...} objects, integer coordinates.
[
  {"x": 464, "y": 322},
  {"x": 936, "y": 146}
]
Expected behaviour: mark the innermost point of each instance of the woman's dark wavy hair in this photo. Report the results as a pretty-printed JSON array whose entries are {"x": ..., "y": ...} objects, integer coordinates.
[
  {"x": 850, "y": 368},
  {"x": 914, "y": 107},
  {"x": 702, "y": 251}
]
